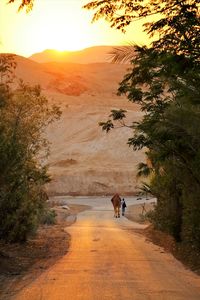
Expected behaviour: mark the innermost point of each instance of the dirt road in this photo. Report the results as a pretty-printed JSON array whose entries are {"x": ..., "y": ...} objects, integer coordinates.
[{"x": 108, "y": 261}]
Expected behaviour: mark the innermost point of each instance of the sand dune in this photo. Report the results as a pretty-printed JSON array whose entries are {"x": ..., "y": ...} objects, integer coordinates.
[{"x": 84, "y": 160}]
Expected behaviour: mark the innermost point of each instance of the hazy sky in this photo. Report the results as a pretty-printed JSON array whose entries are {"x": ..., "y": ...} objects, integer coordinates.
[{"x": 57, "y": 24}]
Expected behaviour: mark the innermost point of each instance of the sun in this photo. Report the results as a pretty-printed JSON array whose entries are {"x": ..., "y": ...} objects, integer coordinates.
[
  {"x": 60, "y": 29},
  {"x": 63, "y": 38}
]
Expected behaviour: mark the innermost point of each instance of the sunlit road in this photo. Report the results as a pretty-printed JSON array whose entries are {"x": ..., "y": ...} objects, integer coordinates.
[{"x": 107, "y": 260}]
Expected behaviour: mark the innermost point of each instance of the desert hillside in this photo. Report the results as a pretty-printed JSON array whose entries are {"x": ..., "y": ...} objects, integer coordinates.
[
  {"x": 94, "y": 54},
  {"x": 84, "y": 160}
]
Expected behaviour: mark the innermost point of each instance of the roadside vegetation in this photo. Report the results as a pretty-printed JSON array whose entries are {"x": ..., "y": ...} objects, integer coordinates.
[
  {"x": 21, "y": 263},
  {"x": 164, "y": 79},
  {"x": 24, "y": 115}
]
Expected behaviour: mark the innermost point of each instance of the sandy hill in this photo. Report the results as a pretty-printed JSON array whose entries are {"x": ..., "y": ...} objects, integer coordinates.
[
  {"x": 85, "y": 56},
  {"x": 84, "y": 160}
]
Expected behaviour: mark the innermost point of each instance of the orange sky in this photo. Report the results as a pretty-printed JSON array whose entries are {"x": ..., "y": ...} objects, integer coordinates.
[{"x": 57, "y": 24}]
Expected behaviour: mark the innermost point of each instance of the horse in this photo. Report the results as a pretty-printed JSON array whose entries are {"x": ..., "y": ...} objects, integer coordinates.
[{"x": 116, "y": 201}]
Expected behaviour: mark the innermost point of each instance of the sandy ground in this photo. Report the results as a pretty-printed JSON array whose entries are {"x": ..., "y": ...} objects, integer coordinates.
[
  {"x": 84, "y": 160},
  {"x": 108, "y": 260},
  {"x": 20, "y": 264}
]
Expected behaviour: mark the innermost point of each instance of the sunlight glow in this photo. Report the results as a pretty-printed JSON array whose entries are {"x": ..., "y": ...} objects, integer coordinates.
[{"x": 56, "y": 24}]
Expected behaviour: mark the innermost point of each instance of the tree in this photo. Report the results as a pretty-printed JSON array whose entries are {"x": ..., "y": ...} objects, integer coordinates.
[
  {"x": 164, "y": 80},
  {"x": 24, "y": 115},
  {"x": 176, "y": 26}
]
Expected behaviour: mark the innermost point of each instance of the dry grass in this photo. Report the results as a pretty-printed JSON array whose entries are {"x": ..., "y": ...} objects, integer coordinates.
[{"x": 137, "y": 212}]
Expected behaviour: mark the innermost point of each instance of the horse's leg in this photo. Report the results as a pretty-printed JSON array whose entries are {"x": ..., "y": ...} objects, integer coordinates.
[
  {"x": 118, "y": 212},
  {"x": 115, "y": 212}
]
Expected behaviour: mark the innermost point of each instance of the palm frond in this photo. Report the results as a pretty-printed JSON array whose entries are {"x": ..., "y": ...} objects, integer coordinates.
[
  {"x": 145, "y": 188},
  {"x": 143, "y": 170},
  {"x": 123, "y": 54}
]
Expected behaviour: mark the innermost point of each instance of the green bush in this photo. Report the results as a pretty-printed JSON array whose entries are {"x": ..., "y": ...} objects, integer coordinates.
[
  {"x": 49, "y": 217},
  {"x": 24, "y": 115}
]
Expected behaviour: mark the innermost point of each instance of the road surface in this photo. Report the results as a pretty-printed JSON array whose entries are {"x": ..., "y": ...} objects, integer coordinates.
[{"x": 108, "y": 261}]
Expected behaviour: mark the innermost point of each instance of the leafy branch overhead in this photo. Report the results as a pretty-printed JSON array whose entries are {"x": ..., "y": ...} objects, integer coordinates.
[
  {"x": 28, "y": 4},
  {"x": 118, "y": 114},
  {"x": 175, "y": 25},
  {"x": 122, "y": 13},
  {"x": 118, "y": 117},
  {"x": 106, "y": 126}
]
